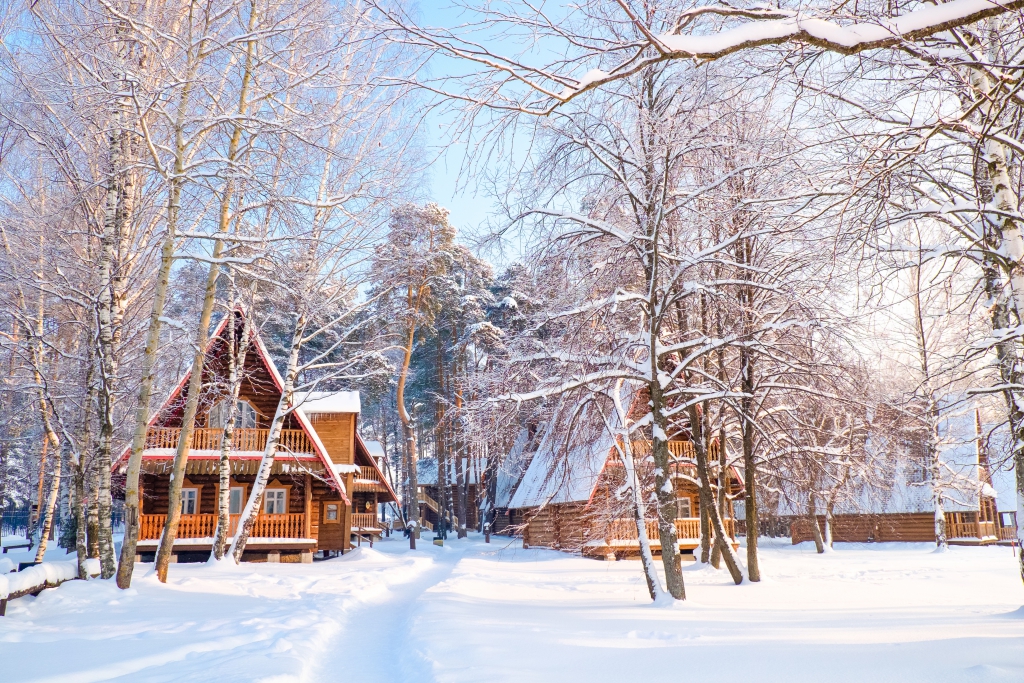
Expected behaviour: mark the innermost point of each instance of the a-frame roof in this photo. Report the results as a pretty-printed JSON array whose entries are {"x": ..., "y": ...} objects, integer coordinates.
[
  {"x": 570, "y": 472},
  {"x": 263, "y": 358}
]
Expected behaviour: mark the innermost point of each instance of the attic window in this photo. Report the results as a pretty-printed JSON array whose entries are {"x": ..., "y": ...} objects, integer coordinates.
[{"x": 245, "y": 414}]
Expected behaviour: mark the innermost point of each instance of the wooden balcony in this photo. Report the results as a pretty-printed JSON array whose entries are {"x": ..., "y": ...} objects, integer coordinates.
[
  {"x": 429, "y": 502},
  {"x": 365, "y": 520},
  {"x": 291, "y": 441},
  {"x": 687, "y": 529},
  {"x": 677, "y": 449},
  {"x": 203, "y": 526},
  {"x": 368, "y": 479},
  {"x": 967, "y": 527},
  {"x": 1008, "y": 533}
]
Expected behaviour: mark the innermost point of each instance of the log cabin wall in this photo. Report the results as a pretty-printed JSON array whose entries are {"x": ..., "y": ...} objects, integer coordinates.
[
  {"x": 561, "y": 526},
  {"x": 155, "y": 490},
  {"x": 337, "y": 433},
  {"x": 918, "y": 527}
]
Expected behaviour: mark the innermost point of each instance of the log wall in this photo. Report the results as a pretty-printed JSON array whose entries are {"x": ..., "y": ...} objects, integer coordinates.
[
  {"x": 337, "y": 433},
  {"x": 917, "y": 527}
]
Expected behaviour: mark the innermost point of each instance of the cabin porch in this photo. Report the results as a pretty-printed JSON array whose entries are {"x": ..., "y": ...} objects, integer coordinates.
[
  {"x": 287, "y": 528},
  {"x": 980, "y": 528},
  {"x": 274, "y": 535},
  {"x": 621, "y": 538}
]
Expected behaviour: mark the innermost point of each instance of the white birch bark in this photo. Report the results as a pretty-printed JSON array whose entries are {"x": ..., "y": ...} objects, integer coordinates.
[
  {"x": 639, "y": 505},
  {"x": 247, "y": 520}
]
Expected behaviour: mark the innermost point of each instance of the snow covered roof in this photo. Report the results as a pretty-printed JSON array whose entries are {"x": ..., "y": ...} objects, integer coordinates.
[
  {"x": 909, "y": 489},
  {"x": 511, "y": 470},
  {"x": 562, "y": 475},
  {"x": 320, "y": 402},
  {"x": 374, "y": 448},
  {"x": 426, "y": 472}
]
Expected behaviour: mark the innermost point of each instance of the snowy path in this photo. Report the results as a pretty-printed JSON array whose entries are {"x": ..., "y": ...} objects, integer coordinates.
[
  {"x": 471, "y": 612},
  {"x": 379, "y": 634}
]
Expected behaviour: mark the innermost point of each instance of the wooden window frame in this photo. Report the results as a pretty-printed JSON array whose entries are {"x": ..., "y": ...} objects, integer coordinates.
[
  {"x": 198, "y": 490},
  {"x": 255, "y": 413},
  {"x": 277, "y": 485},
  {"x": 341, "y": 512}
]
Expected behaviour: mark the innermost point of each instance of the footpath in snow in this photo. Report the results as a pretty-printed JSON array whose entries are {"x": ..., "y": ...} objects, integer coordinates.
[{"x": 497, "y": 613}]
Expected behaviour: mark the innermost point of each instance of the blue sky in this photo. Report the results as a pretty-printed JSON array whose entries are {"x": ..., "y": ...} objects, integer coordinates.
[{"x": 467, "y": 199}]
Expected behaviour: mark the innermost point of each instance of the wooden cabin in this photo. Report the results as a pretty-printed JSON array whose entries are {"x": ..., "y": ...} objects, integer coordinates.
[
  {"x": 984, "y": 525},
  {"x": 324, "y": 492},
  {"x": 905, "y": 512},
  {"x": 567, "y": 495},
  {"x": 432, "y": 492}
]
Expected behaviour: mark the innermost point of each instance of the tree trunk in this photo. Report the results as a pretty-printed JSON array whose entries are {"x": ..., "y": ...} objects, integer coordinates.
[
  {"x": 829, "y": 511},
  {"x": 51, "y": 499},
  {"x": 131, "y": 492},
  {"x": 749, "y": 466},
  {"x": 36, "y": 515},
  {"x": 638, "y": 504},
  {"x": 750, "y": 503},
  {"x": 664, "y": 490},
  {"x": 92, "y": 511},
  {"x": 284, "y": 406},
  {"x": 195, "y": 386},
  {"x": 78, "y": 506},
  {"x": 705, "y": 497},
  {"x": 1009, "y": 244},
  {"x": 105, "y": 354},
  {"x": 812, "y": 516},
  {"x": 723, "y": 491},
  {"x": 409, "y": 432},
  {"x": 461, "y": 483},
  {"x": 236, "y": 362},
  {"x": 722, "y": 539}
]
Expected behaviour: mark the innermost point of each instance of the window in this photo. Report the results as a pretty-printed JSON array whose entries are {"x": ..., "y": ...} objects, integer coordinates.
[
  {"x": 276, "y": 502},
  {"x": 331, "y": 514},
  {"x": 189, "y": 501},
  {"x": 235, "y": 500},
  {"x": 245, "y": 414},
  {"x": 685, "y": 508}
]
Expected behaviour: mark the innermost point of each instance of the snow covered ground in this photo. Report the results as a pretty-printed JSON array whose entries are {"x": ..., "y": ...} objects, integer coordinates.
[{"x": 497, "y": 613}]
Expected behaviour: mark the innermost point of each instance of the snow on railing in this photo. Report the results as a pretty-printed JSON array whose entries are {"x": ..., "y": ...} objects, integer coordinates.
[{"x": 40, "y": 576}]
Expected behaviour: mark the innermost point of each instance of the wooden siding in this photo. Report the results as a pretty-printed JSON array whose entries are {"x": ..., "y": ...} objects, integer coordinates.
[
  {"x": 870, "y": 528},
  {"x": 557, "y": 526},
  {"x": 337, "y": 434}
]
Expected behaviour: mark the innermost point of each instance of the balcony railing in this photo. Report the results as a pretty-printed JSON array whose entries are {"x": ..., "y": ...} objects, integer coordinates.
[
  {"x": 367, "y": 479},
  {"x": 365, "y": 520},
  {"x": 677, "y": 449},
  {"x": 957, "y": 529},
  {"x": 686, "y": 528},
  {"x": 203, "y": 526},
  {"x": 292, "y": 440},
  {"x": 1008, "y": 533}
]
